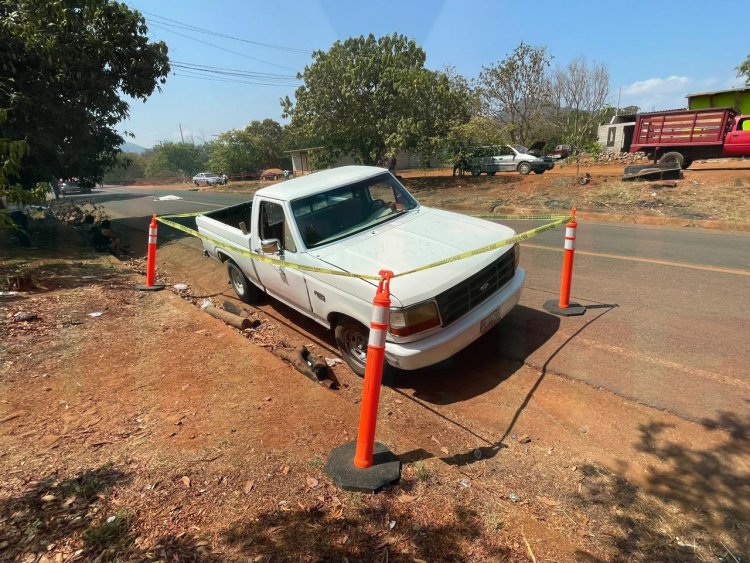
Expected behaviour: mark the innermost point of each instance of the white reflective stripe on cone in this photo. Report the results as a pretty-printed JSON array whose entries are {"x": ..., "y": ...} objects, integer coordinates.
[
  {"x": 377, "y": 337},
  {"x": 380, "y": 314},
  {"x": 570, "y": 232},
  {"x": 570, "y": 243}
]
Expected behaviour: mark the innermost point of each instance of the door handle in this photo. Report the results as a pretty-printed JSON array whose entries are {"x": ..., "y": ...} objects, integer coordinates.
[{"x": 735, "y": 135}]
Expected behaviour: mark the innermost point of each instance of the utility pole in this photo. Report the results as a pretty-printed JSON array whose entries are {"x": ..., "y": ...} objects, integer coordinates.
[
  {"x": 181, "y": 137},
  {"x": 617, "y": 110}
]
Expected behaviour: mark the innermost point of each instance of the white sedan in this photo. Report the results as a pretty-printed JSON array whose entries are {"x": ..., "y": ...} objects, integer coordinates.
[{"x": 207, "y": 179}]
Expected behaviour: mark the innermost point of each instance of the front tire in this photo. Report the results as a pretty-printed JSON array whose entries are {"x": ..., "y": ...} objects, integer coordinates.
[
  {"x": 351, "y": 339},
  {"x": 524, "y": 169},
  {"x": 671, "y": 157},
  {"x": 246, "y": 290},
  {"x": 539, "y": 171}
]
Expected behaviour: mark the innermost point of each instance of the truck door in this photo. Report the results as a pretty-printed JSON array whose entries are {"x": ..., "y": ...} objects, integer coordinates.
[
  {"x": 737, "y": 142},
  {"x": 285, "y": 284}
]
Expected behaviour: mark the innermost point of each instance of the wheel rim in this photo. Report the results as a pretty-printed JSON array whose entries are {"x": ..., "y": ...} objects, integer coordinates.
[
  {"x": 237, "y": 282},
  {"x": 525, "y": 168},
  {"x": 356, "y": 346}
]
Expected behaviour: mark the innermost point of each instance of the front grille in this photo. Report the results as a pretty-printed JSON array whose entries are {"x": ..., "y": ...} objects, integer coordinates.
[{"x": 455, "y": 302}]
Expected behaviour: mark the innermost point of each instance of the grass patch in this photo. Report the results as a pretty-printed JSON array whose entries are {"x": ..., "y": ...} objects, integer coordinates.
[
  {"x": 111, "y": 534},
  {"x": 422, "y": 472}
]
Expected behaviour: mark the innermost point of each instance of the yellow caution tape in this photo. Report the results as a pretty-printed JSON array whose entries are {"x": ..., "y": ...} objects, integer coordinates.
[{"x": 556, "y": 221}]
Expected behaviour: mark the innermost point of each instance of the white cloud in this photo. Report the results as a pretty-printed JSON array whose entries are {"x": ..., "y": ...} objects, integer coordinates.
[
  {"x": 651, "y": 86},
  {"x": 664, "y": 93}
]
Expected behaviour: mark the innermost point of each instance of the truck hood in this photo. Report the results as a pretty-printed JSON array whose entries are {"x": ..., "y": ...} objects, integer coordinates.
[{"x": 419, "y": 238}]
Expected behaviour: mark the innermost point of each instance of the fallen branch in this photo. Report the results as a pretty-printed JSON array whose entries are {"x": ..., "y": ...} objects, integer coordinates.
[
  {"x": 309, "y": 365},
  {"x": 230, "y": 318}
]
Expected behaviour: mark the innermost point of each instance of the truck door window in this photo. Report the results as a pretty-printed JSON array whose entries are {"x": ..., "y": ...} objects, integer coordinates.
[
  {"x": 274, "y": 226},
  {"x": 744, "y": 125}
]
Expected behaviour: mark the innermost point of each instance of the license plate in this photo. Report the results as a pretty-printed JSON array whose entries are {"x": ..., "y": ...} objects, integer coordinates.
[{"x": 491, "y": 320}]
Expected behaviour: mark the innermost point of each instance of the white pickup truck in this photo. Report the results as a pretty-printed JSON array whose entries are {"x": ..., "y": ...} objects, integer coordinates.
[{"x": 360, "y": 219}]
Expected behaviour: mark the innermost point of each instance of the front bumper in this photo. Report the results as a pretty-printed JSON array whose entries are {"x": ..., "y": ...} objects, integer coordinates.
[
  {"x": 444, "y": 344},
  {"x": 542, "y": 165}
]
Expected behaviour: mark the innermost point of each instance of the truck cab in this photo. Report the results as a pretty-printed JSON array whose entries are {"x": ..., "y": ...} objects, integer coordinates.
[{"x": 737, "y": 141}]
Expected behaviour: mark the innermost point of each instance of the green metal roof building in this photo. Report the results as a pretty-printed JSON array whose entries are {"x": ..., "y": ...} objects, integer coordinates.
[{"x": 737, "y": 98}]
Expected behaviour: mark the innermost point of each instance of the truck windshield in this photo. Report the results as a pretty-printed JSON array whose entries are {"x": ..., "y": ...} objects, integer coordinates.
[{"x": 329, "y": 216}]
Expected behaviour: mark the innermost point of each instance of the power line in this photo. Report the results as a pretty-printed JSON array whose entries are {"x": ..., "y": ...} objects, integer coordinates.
[
  {"x": 231, "y": 71},
  {"x": 233, "y": 81},
  {"x": 222, "y": 48},
  {"x": 182, "y": 25}
]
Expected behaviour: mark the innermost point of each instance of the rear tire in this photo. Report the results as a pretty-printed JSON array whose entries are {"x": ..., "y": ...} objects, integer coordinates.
[
  {"x": 476, "y": 171},
  {"x": 351, "y": 339},
  {"x": 524, "y": 169},
  {"x": 671, "y": 157},
  {"x": 491, "y": 173},
  {"x": 246, "y": 290},
  {"x": 539, "y": 171}
]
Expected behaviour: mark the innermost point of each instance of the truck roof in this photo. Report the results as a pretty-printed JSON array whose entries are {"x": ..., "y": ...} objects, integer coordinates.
[{"x": 319, "y": 181}]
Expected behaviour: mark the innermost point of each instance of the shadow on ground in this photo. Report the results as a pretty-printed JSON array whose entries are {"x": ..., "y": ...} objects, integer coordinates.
[
  {"x": 694, "y": 504},
  {"x": 362, "y": 535},
  {"x": 484, "y": 364},
  {"x": 73, "y": 515}
]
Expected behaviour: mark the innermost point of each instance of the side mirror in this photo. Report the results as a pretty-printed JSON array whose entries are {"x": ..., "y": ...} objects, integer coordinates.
[{"x": 271, "y": 246}]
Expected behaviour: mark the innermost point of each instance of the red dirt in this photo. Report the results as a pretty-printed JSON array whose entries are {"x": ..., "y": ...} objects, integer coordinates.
[{"x": 156, "y": 432}]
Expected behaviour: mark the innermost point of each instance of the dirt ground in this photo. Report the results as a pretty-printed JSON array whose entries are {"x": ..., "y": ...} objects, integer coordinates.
[
  {"x": 151, "y": 431},
  {"x": 712, "y": 194}
]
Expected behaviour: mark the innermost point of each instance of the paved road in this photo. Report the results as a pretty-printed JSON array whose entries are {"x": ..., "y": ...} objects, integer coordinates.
[{"x": 666, "y": 322}]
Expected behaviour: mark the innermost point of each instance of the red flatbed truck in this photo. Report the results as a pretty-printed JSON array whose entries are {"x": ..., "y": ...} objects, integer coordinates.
[{"x": 683, "y": 136}]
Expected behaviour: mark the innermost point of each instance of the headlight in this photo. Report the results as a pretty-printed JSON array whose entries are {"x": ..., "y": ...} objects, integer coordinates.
[{"x": 404, "y": 322}]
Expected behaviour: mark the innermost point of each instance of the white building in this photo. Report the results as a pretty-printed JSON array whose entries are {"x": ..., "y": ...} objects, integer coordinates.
[
  {"x": 301, "y": 161},
  {"x": 617, "y": 135}
]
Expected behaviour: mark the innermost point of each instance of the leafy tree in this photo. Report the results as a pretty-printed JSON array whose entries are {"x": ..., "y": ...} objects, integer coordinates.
[
  {"x": 129, "y": 166},
  {"x": 516, "y": 93},
  {"x": 181, "y": 160},
  {"x": 371, "y": 97},
  {"x": 270, "y": 143},
  {"x": 233, "y": 152},
  {"x": 64, "y": 66},
  {"x": 744, "y": 70}
]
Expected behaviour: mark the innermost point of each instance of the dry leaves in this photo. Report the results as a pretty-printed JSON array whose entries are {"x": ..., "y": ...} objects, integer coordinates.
[
  {"x": 548, "y": 501},
  {"x": 186, "y": 480}
]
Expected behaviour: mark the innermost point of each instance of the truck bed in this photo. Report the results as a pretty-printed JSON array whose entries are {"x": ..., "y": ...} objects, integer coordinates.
[
  {"x": 233, "y": 215},
  {"x": 681, "y": 128}
]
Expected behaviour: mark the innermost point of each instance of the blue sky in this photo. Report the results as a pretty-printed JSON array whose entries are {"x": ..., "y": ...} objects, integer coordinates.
[{"x": 656, "y": 52}]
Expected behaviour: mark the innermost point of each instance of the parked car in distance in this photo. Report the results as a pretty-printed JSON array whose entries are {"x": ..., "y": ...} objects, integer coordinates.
[
  {"x": 506, "y": 158},
  {"x": 362, "y": 219},
  {"x": 561, "y": 151},
  {"x": 207, "y": 179},
  {"x": 71, "y": 186}
]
